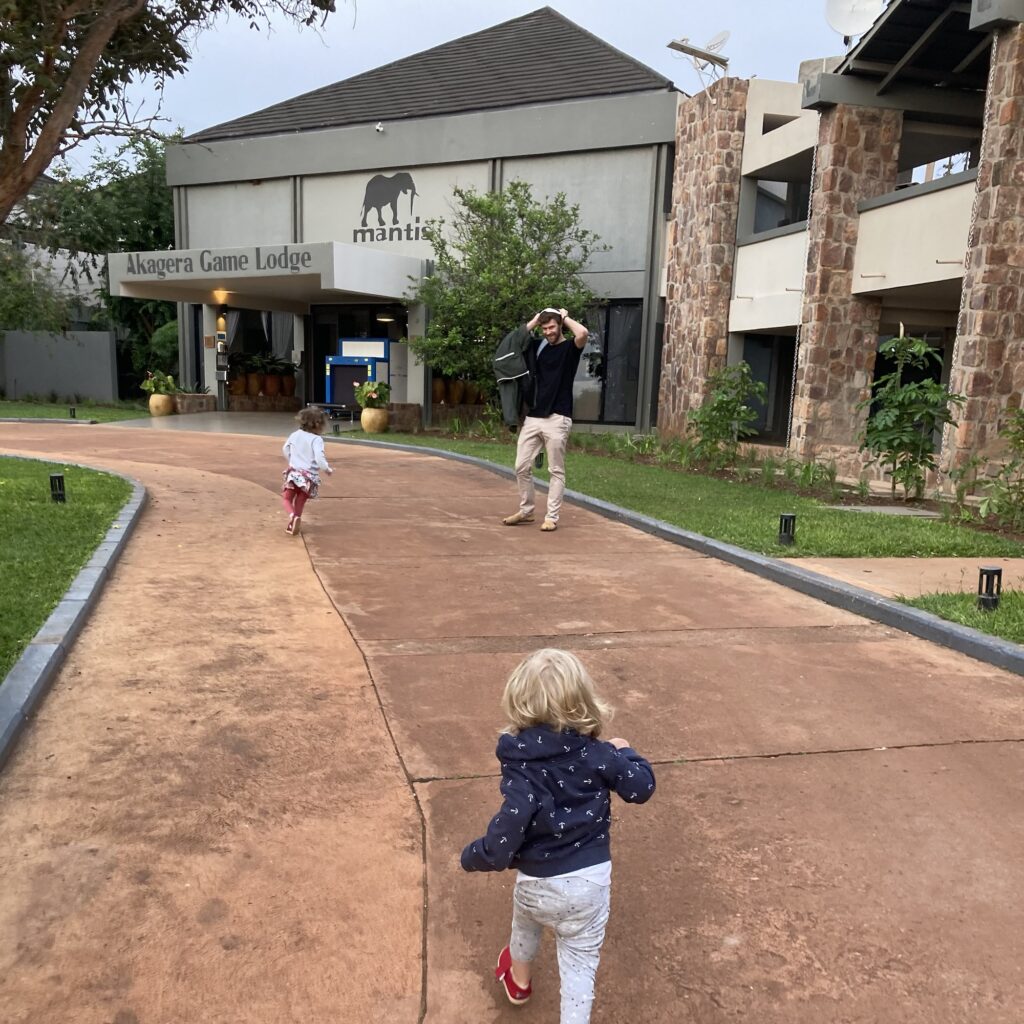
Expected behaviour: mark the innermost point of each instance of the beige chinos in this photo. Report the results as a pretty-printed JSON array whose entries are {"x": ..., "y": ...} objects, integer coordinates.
[{"x": 551, "y": 433}]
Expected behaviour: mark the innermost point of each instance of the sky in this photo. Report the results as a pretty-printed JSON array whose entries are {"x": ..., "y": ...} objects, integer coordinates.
[{"x": 236, "y": 70}]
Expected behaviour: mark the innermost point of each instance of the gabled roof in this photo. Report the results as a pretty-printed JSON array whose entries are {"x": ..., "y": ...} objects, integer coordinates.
[{"x": 541, "y": 57}]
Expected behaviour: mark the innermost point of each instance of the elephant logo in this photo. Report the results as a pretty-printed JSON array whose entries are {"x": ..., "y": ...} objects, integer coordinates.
[{"x": 382, "y": 191}]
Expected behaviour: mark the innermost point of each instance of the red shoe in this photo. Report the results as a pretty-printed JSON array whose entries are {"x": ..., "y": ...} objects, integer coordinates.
[{"x": 503, "y": 972}]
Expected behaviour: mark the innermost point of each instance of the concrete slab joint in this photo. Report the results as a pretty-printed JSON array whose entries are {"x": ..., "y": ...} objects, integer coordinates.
[
  {"x": 27, "y": 682},
  {"x": 972, "y": 642}
]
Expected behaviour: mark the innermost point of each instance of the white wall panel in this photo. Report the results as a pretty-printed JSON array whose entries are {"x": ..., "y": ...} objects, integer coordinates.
[{"x": 224, "y": 216}]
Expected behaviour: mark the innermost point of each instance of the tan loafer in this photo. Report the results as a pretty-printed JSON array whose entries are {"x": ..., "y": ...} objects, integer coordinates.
[
  {"x": 548, "y": 525},
  {"x": 515, "y": 520}
]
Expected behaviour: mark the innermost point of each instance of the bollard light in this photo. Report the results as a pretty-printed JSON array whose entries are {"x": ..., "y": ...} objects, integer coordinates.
[
  {"x": 336, "y": 427},
  {"x": 990, "y": 587},
  {"x": 57, "y": 487},
  {"x": 787, "y": 528},
  {"x": 71, "y": 412}
]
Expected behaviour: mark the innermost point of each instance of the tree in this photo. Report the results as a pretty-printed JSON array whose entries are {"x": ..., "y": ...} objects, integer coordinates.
[
  {"x": 503, "y": 257},
  {"x": 66, "y": 65},
  {"x": 904, "y": 415},
  {"x": 30, "y": 300},
  {"x": 121, "y": 203}
]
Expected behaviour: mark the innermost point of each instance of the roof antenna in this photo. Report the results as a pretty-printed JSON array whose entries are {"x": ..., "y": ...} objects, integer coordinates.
[
  {"x": 707, "y": 60},
  {"x": 852, "y": 17}
]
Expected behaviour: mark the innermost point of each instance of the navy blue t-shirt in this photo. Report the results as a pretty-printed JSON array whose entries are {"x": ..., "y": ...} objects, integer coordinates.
[{"x": 556, "y": 370}]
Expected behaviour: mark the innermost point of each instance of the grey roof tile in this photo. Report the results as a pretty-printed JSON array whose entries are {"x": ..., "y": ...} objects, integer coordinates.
[{"x": 508, "y": 65}]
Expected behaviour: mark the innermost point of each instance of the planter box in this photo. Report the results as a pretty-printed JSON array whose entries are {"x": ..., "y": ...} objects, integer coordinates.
[
  {"x": 441, "y": 415},
  {"x": 263, "y": 403},
  {"x": 406, "y": 417},
  {"x": 185, "y": 403}
]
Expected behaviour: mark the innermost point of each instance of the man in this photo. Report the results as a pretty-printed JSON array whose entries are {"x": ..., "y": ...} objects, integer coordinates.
[{"x": 549, "y": 412}]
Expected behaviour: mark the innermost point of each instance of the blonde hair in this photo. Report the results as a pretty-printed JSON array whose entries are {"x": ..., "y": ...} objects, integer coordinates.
[
  {"x": 312, "y": 419},
  {"x": 551, "y": 687}
]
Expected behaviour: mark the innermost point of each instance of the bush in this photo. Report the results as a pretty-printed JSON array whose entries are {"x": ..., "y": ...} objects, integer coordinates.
[
  {"x": 1004, "y": 495},
  {"x": 725, "y": 418},
  {"x": 899, "y": 431}
]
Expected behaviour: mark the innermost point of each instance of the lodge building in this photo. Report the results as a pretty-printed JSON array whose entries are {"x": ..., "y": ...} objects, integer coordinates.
[
  {"x": 790, "y": 225},
  {"x": 300, "y": 227}
]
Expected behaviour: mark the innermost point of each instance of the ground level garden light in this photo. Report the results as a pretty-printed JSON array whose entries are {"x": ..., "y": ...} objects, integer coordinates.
[
  {"x": 990, "y": 587},
  {"x": 787, "y": 528}
]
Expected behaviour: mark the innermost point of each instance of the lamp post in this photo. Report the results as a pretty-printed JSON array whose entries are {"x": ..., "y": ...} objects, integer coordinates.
[
  {"x": 787, "y": 528},
  {"x": 990, "y": 587},
  {"x": 57, "y": 488}
]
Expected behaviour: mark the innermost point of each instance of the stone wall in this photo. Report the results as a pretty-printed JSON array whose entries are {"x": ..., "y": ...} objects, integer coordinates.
[
  {"x": 701, "y": 257},
  {"x": 989, "y": 364},
  {"x": 857, "y": 154}
]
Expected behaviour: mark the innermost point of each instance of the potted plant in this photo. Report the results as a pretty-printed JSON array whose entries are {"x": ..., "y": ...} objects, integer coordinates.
[
  {"x": 288, "y": 370},
  {"x": 161, "y": 390},
  {"x": 273, "y": 370},
  {"x": 373, "y": 397},
  {"x": 238, "y": 367},
  {"x": 254, "y": 375}
]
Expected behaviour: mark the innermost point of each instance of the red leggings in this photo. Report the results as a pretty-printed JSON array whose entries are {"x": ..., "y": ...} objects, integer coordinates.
[{"x": 294, "y": 500}]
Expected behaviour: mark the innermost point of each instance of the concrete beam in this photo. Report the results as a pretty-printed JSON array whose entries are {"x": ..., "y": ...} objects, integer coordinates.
[{"x": 946, "y": 106}]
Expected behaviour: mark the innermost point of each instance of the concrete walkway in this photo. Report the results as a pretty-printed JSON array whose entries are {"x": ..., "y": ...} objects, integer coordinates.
[{"x": 264, "y": 751}]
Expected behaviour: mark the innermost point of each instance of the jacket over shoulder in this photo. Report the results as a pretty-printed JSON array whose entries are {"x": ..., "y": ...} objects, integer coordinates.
[{"x": 514, "y": 372}]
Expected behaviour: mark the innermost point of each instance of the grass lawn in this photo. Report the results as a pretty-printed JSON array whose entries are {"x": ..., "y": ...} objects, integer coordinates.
[
  {"x": 744, "y": 514},
  {"x": 1007, "y": 621},
  {"x": 46, "y": 544},
  {"x": 85, "y": 410}
]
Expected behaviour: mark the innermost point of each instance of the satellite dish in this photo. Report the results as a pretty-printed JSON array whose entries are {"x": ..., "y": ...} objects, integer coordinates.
[
  {"x": 716, "y": 44},
  {"x": 852, "y": 17}
]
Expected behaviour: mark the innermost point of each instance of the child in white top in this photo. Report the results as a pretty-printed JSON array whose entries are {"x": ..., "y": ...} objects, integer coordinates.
[{"x": 304, "y": 451}]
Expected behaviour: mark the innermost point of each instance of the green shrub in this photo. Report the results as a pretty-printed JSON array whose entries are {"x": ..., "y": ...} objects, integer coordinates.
[
  {"x": 1004, "y": 495},
  {"x": 725, "y": 418},
  {"x": 899, "y": 431}
]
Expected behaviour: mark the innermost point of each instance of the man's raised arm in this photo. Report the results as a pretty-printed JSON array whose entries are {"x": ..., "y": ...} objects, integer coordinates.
[{"x": 579, "y": 332}]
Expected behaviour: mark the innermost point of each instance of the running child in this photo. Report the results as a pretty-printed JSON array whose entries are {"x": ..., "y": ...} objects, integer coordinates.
[
  {"x": 554, "y": 826},
  {"x": 304, "y": 451}
]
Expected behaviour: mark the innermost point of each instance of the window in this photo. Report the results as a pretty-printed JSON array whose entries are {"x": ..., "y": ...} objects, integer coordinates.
[{"x": 605, "y": 390}]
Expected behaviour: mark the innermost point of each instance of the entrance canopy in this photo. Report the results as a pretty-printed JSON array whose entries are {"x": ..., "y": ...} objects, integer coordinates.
[{"x": 289, "y": 277}]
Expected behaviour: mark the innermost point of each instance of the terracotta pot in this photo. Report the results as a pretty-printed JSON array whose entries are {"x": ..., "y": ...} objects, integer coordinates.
[
  {"x": 272, "y": 384},
  {"x": 456, "y": 391},
  {"x": 253, "y": 383},
  {"x": 374, "y": 421},
  {"x": 236, "y": 385},
  {"x": 437, "y": 390},
  {"x": 288, "y": 385},
  {"x": 161, "y": 405}
]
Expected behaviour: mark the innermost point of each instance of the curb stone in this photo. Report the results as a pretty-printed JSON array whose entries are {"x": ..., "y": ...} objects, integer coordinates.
[
  {"x": 30, "y": 678},
  {"x": 42, "y": 419},
  {"x": 972, "y": 642}
]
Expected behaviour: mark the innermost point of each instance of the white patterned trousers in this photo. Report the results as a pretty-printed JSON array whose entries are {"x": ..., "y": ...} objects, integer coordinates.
[{"x": 576, "y": 910}]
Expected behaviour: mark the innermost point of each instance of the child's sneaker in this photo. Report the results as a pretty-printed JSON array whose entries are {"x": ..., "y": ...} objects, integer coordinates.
[{"x": 503, "y": 972}]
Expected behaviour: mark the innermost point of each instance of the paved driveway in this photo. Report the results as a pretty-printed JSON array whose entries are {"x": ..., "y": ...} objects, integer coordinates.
[{"x": 264, "y": 752}]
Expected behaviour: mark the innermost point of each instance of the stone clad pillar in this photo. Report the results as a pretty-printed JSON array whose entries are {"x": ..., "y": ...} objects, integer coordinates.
[
  {"x": 989, "y": 364},
  {"x": 702, "y": 246},
  {"x": 857, "y": 154}
]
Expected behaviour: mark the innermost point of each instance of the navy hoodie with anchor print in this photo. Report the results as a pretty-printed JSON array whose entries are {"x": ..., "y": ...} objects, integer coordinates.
[{"x": 556, "y": 816}]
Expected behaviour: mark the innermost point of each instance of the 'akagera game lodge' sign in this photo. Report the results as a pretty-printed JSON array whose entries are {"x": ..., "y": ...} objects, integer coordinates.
[{"x": 247, "y": 261}]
